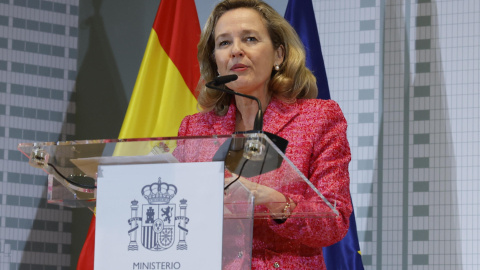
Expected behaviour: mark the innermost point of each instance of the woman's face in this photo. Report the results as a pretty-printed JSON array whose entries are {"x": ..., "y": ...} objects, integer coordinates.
[{"x": 243, "y": 47}]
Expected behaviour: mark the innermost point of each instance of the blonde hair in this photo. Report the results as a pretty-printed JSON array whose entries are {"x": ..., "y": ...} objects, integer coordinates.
[{"x": 292, "y": 81}]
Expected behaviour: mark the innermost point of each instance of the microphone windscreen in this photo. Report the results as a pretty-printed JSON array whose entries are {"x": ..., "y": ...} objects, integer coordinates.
[{"x": 225, "y": 79}]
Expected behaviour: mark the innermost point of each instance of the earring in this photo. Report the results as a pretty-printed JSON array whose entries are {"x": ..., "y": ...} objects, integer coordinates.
[{"x": 277, "y": 67}]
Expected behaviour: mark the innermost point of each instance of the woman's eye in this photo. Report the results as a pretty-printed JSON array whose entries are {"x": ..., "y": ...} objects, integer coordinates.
[
  {"x": 223, "y": 43},
  {"x": 251, "y": 39}
]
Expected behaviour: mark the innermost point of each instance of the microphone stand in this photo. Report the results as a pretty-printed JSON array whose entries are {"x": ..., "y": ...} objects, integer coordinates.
[
  {"x": 222, "y": 80},
  {"x": 237, "y": 152}
]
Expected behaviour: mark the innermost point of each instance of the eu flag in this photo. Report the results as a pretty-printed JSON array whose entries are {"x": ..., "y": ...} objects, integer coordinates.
[
  {"x": 344, "y": 255},
  {"x": 301, "y": 16}
]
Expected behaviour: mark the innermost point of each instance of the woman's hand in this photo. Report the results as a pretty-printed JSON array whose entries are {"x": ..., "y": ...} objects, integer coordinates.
[{"x": 269, "y": 197}]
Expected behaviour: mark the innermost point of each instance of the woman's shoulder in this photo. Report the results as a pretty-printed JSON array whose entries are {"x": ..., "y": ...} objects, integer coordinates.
[
  {"x": 199, "y": 116},
  {"x": 193, "y": 124},
  {"x": 318, "y": 107},
  {"x": 312, "y": 109},
  {"x": 207, "y": 123},
  {"x": 317, "y": 103}
]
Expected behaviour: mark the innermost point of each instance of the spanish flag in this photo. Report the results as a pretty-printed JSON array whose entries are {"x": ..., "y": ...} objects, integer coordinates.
[{"x": 164, "y": 91}]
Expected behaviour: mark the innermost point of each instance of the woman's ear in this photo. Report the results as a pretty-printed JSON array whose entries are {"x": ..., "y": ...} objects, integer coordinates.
[{"x": 279, "y": 55}]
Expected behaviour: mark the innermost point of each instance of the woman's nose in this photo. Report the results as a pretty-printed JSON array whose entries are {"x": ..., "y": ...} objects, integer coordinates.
[{"x": 237, "y": 50}]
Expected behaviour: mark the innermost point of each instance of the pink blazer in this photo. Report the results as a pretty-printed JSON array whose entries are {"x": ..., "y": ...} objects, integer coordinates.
[{"x": 318, "y": 146}]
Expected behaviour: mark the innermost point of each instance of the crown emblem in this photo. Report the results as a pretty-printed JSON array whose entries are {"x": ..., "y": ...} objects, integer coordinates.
[{"x": 159, "y": 193}]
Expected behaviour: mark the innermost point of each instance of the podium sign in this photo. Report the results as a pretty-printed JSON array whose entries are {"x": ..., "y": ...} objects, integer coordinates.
[{"x": 159, "y": 216}]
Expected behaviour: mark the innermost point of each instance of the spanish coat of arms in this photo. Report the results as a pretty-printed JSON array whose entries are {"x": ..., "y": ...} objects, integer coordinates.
[{"x": 157, "y": 222}]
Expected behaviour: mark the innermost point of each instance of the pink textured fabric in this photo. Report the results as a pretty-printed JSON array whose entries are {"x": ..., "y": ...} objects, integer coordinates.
[{"x": 318, "y": 146}]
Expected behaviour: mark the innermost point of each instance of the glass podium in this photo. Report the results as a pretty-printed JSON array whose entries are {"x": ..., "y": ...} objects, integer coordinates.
[{"x": 72, "y": 168}]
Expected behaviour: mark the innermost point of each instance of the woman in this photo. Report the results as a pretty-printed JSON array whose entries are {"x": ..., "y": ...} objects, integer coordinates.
[{"x": 250, "y": 39}]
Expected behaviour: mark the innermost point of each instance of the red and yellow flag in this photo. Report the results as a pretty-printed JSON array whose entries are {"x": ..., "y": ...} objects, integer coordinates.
[{"x": 164, "y": 91}]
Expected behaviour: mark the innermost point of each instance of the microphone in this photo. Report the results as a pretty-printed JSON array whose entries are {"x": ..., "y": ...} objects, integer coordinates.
[
  {"x": 224, "y": 79},
  {"x": 221, "y": 80}
]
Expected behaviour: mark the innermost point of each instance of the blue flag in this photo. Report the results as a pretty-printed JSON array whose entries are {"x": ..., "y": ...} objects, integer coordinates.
[
  {"x": 344, "y": 255},
  {"x": 301, "y": 16}
]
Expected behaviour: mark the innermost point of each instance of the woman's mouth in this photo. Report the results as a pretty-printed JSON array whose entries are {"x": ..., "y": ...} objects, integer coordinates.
[{"x": 239, "y": 67}]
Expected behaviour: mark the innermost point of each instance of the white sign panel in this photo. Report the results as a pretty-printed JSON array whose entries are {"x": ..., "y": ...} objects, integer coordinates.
[{"x": 159, "y": 216}]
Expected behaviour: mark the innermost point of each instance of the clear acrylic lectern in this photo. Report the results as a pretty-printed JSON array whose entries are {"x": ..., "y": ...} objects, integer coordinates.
[{"x": 72, "y": 175}]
